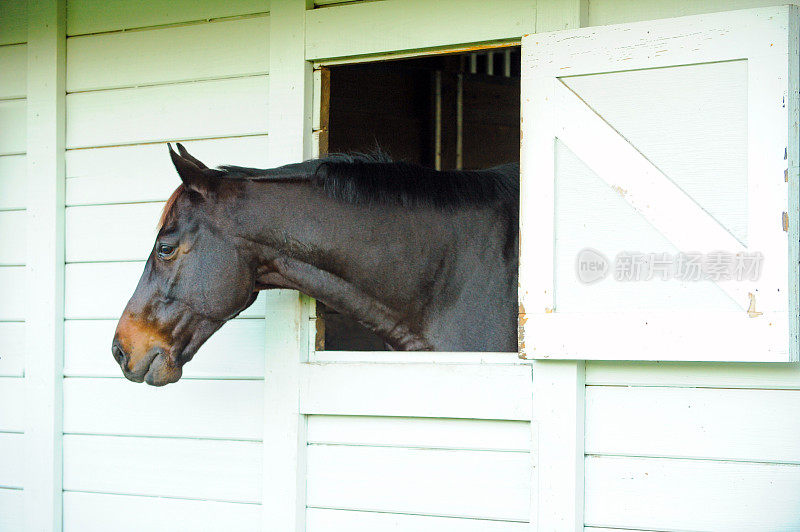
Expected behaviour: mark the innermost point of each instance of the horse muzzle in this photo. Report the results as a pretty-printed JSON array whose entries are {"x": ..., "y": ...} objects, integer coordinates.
[{"x": 143, "y": 355}]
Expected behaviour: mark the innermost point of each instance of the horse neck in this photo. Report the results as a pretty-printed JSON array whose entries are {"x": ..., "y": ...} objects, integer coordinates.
[{"x": 384, "y": 265}]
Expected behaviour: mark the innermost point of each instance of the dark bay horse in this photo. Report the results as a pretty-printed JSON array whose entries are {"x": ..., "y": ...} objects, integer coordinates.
[{"x": 425, "y": 259}]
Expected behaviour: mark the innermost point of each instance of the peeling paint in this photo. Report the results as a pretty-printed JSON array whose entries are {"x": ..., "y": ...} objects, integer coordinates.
[
  {"x": 751, "y": 310},
  {"x": 619, "y": 190},
  {"x": 785, "y": 221}
]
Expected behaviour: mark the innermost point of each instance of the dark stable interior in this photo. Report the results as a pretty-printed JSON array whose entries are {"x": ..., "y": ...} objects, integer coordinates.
[{"x": 410, "y": 110}]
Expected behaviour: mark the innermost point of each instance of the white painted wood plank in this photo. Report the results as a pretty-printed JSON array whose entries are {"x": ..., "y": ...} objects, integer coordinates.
[
  {"x": 605, "y": 12},
  {"x": 391, "y": 26},
  {"x": 725, "y": 424},
  {"x": 217, "y": 108},
  {"x": 109, "y": 232},
  {"x": 13, "y": 21},
  {"x": 325, "y": 520},
  {"x": 12, "y": 349},
  {"x": 597, "y": 529},
  {"x": 14, "y": 65},
  {"x": 13, "y": 169},
  {"x": 13, "y": 238},
  {"x": 235, "y": 351},
  {"x": 476, "y": 484},
  {"x": 13, "y": 126},
  {"x": 12, "y": 406},
  {"x": 87, "y": 512},
  {"x": 205, "y": 469},
  {"x": 720, "y": 375},
  {"x": 87, "y": 16},
  {"x": 12, "y": 448},
  {"x": 145, "y": 172},
  {"x": 420, "y": 432},
  {"x": 183, "y": 53},
  {"x": 11, "y": 509},
  {"x": 667, "y": 494},
  {"x": 191, "y": 408},
  {"x": 12, "y": 287},
  {"x": 101, "y": 290},
  {"x": 475, "y": 391}
]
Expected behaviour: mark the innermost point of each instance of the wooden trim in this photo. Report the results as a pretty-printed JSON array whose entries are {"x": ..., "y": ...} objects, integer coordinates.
[
  {"x": 558, "y": 445},
  {"x": 404, "y": 25},
  {"x": 45, "y": 263},
  {"x": 288, "y": 313}
]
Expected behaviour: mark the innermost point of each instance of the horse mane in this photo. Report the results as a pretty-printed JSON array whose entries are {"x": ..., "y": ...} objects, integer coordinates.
[{"x": 374, "y": 178}]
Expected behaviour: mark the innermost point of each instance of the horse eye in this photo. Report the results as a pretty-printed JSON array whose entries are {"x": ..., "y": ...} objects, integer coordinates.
[{"x": 165, "y": 251}]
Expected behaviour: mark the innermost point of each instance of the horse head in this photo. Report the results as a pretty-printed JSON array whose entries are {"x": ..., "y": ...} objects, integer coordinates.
[{"x": 195, "y": 279}]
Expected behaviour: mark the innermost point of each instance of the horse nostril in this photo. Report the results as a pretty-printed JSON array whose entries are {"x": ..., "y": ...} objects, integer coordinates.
[{"x": 119, "y": 355}]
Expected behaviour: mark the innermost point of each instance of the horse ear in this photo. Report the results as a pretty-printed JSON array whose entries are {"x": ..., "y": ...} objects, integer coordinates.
[
  {"x": 192, "y": 172},
  {"x": 186, "y": 155}
]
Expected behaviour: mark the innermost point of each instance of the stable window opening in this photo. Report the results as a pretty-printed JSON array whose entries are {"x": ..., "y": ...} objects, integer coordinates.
[{"x": 455, "y": 111}]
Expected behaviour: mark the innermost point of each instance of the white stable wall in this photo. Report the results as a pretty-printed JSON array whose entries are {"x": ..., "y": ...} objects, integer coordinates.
[
  {"x": 189, "y": 454},
  {"x": 13, "y": 70}
]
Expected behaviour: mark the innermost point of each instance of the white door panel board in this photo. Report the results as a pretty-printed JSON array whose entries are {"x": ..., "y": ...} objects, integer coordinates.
[
  {"x": 217, "y": 108},
  {"x": 13, "y": 169},
  {"x": 191, "y": 408},
  {"x": 85, "y": 512},
  {"x": 235, "y": 351},
  {"x": 14, "y": 65},
  {"x": 87, "y": 16},
  {"x": 162, "y": 55},
  {"x": 12, "y": 349},
  {"x": 205, "y": 469},
  {"x": 12, "y": 405},
  {"x": 475, "y": 391},
  {"x": 420, "y": 432},
  {"x": 476, "y": 484},
  {"x": 13, "y": 126},
  {"x": 12, "y": 286},
  {"x": 669, "y": 494},
  {"x": 765, "y": 327},
  {"x": 110, "y": 232},
  {"x": 326, "y": 520},
  {"x": 13, "y": 238},
  {"x": 725, "y": 424},
  {"x": 11, "y": 466},
  {"x": 145, "y": 172},
  {"x": 101, "y": 290}
]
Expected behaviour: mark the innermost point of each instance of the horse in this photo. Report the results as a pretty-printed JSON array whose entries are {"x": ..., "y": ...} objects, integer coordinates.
[{"x": 425, "y": 259}]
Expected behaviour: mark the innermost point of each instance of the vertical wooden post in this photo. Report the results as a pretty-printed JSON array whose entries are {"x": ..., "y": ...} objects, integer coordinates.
[
  {"x": 290, "y": 140},
  {"x": 45, "y": 263},
  {"x": 558, "y": 445},
  {"x": 558, "y": 386},
  {"x": 552, "y": 15}
]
